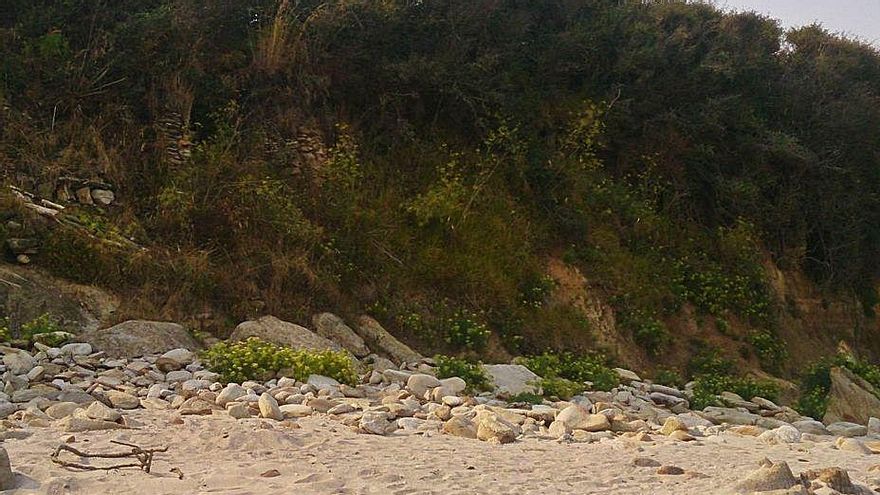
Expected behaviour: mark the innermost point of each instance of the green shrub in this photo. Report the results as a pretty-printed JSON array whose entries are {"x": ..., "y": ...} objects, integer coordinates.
[
  {"x": 5, "y": 335},
  {"x": 560, "y": 388},
  {"x": 471, "y": 373},
  {"x": 669, "y": 377},
  {"x": 536, "y": 291},
  {"x": 591, "y": 368},
  {"x": 770, "y": 349},
  {"x": 709, "y": 361},
  {"x": 464, "y": 330},
  {"x": 255, "y": 359},
  {"x": 39, "y": 325},
  {"x": 649, "y": 332}
]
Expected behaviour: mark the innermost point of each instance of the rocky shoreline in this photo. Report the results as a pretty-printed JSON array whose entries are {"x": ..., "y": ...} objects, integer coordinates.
[{"x": 78, "y": 389}]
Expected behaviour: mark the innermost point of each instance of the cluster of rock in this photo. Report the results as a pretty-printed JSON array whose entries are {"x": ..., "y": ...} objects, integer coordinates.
[
  {"x": 777, "y": 478},
  {"x": 90, "y": 386}
]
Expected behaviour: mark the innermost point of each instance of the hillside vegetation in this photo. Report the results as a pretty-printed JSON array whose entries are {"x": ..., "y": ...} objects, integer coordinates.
[{"x": 424, "y": 162}]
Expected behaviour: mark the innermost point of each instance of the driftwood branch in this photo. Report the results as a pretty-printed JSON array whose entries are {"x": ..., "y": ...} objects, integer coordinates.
[{"x": 144, "y": 457}]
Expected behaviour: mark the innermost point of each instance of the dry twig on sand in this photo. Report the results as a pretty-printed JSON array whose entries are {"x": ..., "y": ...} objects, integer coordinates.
[{"x": 144, "y": 457}]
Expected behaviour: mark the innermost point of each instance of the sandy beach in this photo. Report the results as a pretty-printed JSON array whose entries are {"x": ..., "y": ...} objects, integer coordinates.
[{"x": 316, "y": 455}]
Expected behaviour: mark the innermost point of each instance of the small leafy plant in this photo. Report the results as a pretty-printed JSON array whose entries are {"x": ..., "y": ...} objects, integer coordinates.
[
  {"x": 254, "y": 359},
  {"x": 465, "y": 330},
  {"x": 471, "y": 373},
  {"x": 44, "y": 329},
  {"x": 770, "y": 349},
  {"x": 560, "y": 388},
  {"x": 575, "y": 368}
]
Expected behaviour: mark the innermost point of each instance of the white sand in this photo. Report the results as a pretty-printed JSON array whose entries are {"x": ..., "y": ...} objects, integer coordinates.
[{"x": 218, "y": 455}]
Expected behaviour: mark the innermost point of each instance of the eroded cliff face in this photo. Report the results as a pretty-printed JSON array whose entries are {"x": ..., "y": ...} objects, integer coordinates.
[
  {"x": 811, "y": 322},
  {"x": 27, "y": 293}
]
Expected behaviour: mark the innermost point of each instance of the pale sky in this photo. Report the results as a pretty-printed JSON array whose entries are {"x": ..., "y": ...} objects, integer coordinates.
[{"x": 857, "y": 18}]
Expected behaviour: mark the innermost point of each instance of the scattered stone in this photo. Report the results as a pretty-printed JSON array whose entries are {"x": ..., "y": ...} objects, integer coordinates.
[
  {"x": 419, "y": 383},
  {"x": 321, "y": 382},
  {"x": 97, "y": 410},
  {"x": 123, "y": 400},
  {"x": 375, "y": 422},
  {"x": 672, "y": 424},
  {"x": 195, "y": 406},
  {"x": 852, "y": 445},
  {"x": 873, "y": 426},
  {"x": 811, "y": 426},
  {"x": 232, "y": 392},
  {"x": 453, "y": 386},
  {"x": 626, "y": 375},
  {"x": 103, "y": 197},
  {"x": 512, "y": 379},
  {"x": 295, "y": 411},
  {"x": 269, "y": 407},
  {"x": 178, "y": 376},
  {"x": 7, "y": 479},
  {"x": 681, "y": 436},
  {"x": 460, "y": 426},
  {"x": 645, "y": 462},
  {"x": 851, "y": 398},
  {"x": 76, "y": 349},
  {"x": 719, "y": 415},
  {"x": 238, "y": 410},
  {"x": 271, "y": 329},
  {"x": 782, "y": 435},
  {"x": 768, "y": 477},
  {"x": 835, "y": 478},
  {"x": 379, "y": 340},
  {"x": 136, "y": 338},
  {"x": 492, "y": 428},
  {"x": 17, "y": 361},
  {"x": 341, "y": 409},
  {"x": 573, "y": 416},
  {"x": 75, "y": 424},
  {"x": 62, "y": 409},
  {"x": 272, "y": 473},
  {"x": 334, "y": 329},
  {"x": 848, "y": 430},
  {"x": 670, "y": 470}
]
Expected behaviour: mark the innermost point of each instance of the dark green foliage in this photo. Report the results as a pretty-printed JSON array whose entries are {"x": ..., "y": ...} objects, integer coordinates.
[
  {"x": 471, "y": 373},
  {"x": 669, "y": 377},
  {"x": 571, "y": 368},
  {"x": 770, "y": 349},
  {"x": 648, "y": 331}
]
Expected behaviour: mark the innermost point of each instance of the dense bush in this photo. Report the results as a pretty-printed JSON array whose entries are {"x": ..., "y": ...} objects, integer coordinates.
[
  {"x": 471, "y": 373},
  {"x": 254, "y": 359},
  {"x": 572, "y": 368}
]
